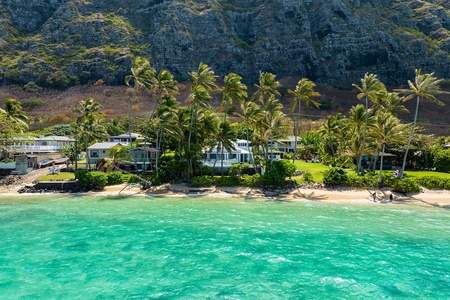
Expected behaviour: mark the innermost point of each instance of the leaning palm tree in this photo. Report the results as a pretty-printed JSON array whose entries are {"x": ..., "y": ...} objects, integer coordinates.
[
  {"x": 141, "y": 74},
  {"x": 267, "y": 87},
  {"x": 385, "y": 130},
  {"x": 424, "y": 86},
  {"x": 117, "y": 155},
  {"x": 302, "y": 93},
  {"x": 14, "y": 112},
  {"x": 369, "y": 90}
]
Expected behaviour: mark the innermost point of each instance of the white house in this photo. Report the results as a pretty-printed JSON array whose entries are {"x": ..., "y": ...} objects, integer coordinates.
[
  {"x": 124, "y": 138},
  {"x": 286, "y": 145},
  {"x": 41, "y": 145},
  {"x": 241, "y": 154}
]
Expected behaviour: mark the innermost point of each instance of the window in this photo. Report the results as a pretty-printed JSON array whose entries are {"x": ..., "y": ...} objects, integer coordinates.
[{"x": 94, "y": 153}]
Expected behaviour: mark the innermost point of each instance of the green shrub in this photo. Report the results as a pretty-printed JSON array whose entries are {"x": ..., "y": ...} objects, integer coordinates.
[
  {"x": 91, "y": 179},
  {"x": 405, "y": 185},
  {"x": 201, "y": 181},
  {"x": 251, "y": 180},
  {"x": 114, "y": 178},
  {"x": 277, "y": 171},
  {"x": 308, "y": 177},
  {"x": 227, "y": 181},
  {"x": 98, "y": 179},
  {"x": 335, "y": 176},
  {"x": 431, "y": 182},
  {"x": 442, "y": 161},
  {"x": 32, "y": 103},
  {"x": 239, "y": 169}
]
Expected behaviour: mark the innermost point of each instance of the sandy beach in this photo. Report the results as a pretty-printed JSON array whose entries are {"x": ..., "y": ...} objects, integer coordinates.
[{"x": 439, "y": 198}]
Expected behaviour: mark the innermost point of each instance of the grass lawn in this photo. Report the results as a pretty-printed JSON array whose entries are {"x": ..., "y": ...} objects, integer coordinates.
[
  {"x": 419, "y": 174},
  {"x": 317, "y": 169},
  {"x": 57, "y": 177}
]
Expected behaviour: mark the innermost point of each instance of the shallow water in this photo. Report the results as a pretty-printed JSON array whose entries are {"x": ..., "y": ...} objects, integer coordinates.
[{"x": 68, "y": 247}]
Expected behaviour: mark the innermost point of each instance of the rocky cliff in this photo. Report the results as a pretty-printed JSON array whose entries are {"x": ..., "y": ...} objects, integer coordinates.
[{"x": 60, "y": 42}]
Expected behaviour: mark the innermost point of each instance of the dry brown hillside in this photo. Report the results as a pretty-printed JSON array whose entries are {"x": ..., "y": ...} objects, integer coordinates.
[{"x": 50, "y": 107}]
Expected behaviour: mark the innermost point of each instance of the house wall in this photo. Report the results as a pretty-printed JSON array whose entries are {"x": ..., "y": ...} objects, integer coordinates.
[{"x": 95, "y": 155}]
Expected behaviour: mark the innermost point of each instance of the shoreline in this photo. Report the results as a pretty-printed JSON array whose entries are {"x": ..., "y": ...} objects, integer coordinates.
[{"x": 437, "y": 198}]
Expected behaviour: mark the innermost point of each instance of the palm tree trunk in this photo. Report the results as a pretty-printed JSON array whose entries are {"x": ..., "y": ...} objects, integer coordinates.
[
  {"x": 296, "y": 132},
  {"x": 189, "y": 141},
  {"x": 363, "y": 141},
  {"x": 88, "y": 163},
  {"x": 409, "y": 140},
  {"x": 380, "y": 177},
  {"x": 221, "y": 159}
]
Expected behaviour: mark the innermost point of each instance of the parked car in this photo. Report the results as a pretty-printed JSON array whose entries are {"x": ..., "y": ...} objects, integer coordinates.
[{"x": 50, "y": 161}]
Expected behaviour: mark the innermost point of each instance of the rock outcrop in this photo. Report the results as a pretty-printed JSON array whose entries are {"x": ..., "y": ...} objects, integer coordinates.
[{"x": 60, "y": 42}]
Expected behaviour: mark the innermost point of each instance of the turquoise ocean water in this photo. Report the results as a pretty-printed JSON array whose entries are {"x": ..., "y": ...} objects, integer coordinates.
[{"x": 64, "y": 247}]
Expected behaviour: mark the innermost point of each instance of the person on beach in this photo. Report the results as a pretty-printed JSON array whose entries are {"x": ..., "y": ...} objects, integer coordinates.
[
  {"x": 391, "y": 197},
  {"x": 375, "y": 197}
]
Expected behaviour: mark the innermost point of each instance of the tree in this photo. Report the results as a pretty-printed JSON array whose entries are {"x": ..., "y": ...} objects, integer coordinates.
[
  {"x": 14, "y": 112},
  {"x": 141, "y": 75},
  {"x": 424, "y": 86},
  {"x": 203, "y": 82},
  {"x": 267, "y": 87},
  {"x": 390, "y": 102},
  {"x": 329, "y": 131},
  {"x": 353, "y": 128},
  {"x": 251, "y": 113},
  {"x": 233, "y": 90},
  {"x": 162, "y": 85},
  {"x": 385, "y": 130},
  {"x": 203, "y": 77},
  {"x": 369, "y": 90},
  {"x": 225, "y": 139},
  {"x": 302, "y": 93},
  {"x": 87, "y": 124},
  {"x": 117, "y": 154}
]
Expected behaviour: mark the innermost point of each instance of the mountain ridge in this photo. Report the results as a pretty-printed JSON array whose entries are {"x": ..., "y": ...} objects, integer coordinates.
[{"x": 61, "y": 43}]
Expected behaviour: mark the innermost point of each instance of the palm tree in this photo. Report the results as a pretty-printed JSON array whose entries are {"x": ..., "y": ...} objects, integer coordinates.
[
  {"x": 303, "y": 93},
  {"x": 233, "y": 90},
  {"x": 355, "y": 124},
  {"x": 330, "y": 129},
  {"x": 203, "y": 77},
  {"x": 271, "y": 125},
  {"x": 267, "y": 87},
  {"x": 161, "y": 85},
  {"x": 141, "y": 74},
  {"x": 199, "y": 99},
  {"x": 424, "y": 86},
  {"x": 251, "y": 112},
  {"x": 14, "y": 112},
  {"x": 369, "y": 90},
  {"x": 88, "y": 125},
  {"x": 117, "y": 154},
  {"x": 224, "y": 139},
  {"x": 385, "y": 130},
  {"x": 390, "y": 102}
]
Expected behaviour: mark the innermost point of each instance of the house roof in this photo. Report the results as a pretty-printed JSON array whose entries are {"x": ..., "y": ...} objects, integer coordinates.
[
  {"x": 126, "y": 135},
  {"x": 55, "y": 138},
  {"x": 104, "y": 145}
]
